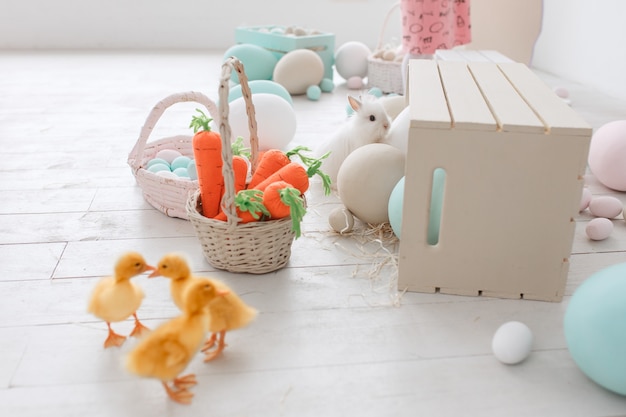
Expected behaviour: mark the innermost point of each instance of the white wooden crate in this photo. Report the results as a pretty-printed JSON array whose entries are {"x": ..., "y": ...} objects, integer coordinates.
[{"x": 514, "y": 156}]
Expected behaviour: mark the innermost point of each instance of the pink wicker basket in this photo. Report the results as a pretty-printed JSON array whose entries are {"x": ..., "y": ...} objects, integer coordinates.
[{"x": 167, "y": 195}]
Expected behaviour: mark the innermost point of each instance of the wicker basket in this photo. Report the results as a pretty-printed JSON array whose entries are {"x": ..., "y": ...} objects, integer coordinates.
[
  {"x": 168, "y": 195},
  {"x": 386, "y": 75},
  {"x": 256, "y": 247}
]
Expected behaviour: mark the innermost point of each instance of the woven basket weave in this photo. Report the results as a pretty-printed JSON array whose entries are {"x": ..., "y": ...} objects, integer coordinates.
[
  {"x": 167, "y": 195},
  {"x": 386, "y": 75},
  {"x": 256, "y": 247}
]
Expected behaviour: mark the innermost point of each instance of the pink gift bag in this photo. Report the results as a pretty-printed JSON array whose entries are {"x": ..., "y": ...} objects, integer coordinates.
[{"x": 428, "y": 25}]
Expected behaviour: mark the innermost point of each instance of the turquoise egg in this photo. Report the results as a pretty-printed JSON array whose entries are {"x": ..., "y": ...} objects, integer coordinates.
[
  {"x": 327, "y": 85},
  {"x": 181, "y": 172},
  {"x": 180, "y": 162},
  {"x": 396, "y": 201},
  {"x": 314, "y": 92},
  {"x": 261, "y": 86},
  {"x": 156, "y": 161},
  {"x": 192, "y": 172},
  {"x": 159, "y": 167},
  {"x": 258, "y": 62},
  {"x": 375, "y": 91},
  {"x": 595, "y": 327}
]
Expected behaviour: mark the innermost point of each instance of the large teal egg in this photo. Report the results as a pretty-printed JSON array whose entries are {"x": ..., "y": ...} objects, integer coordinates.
[
  {"x": 258, "y": 63},
  {"x": 395, "y": 207},
  {"x": 261, "y": 86},
  {"x": 396, "y": 201},
  {"x": 595, "y": 327}
]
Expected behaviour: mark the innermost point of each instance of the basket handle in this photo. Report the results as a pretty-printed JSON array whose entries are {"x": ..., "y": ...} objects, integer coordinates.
[
  {"x": 228, "y": 201},
  {"x": 134, "y": 158},
  {"x": 385, "y": 23}
]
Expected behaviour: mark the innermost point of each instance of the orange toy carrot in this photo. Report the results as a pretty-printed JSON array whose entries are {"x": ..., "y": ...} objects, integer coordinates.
[
  {"x": 249, "y": 205},
  {"x": 292, "y": 173},
  {"x": 240, "y": 171},
  {"x": 282, "y": 200},
  {"x": 271, "y": 161},
  {"x": 207, "y": 152}
]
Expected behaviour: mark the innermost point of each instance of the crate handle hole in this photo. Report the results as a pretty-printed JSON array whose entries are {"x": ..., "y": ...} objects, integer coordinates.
[{"x": 436, "y": 205}]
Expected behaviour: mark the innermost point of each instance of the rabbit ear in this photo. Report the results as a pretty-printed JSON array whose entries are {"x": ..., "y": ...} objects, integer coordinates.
[{"x": 354, "y": 103}]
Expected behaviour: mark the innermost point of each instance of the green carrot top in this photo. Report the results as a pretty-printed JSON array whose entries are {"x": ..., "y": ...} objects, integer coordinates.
[
  {"x": 313, "y": 165},
  {"x": 200, "y": 122}
]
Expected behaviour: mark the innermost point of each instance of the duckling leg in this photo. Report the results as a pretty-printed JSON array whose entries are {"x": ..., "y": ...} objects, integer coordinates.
[
  {"x": 113, "y": 339},
  {"x": 182, "y": 396},
  {"x": 139, "y": 329},
  {"x": 185, "y": 381},
  {"x": 209, "y": 343},
  {"x": 220, "y": 347}
]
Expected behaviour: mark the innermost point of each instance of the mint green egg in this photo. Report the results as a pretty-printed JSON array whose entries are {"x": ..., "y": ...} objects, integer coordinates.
[
  {"x": 327, "y": 85},
  {"x": 159, "y": 167},
  {"x": 314, "y": 92},
  {"x": 261, "y": 86},
  {"x": 156, "y": 161},
  {"x": 192, "y": 172},
  {"x": 258, "y": 62},
  {"x": 181, "y": 172},
  {"x": 396, "y": 201},
  {"x": 180, "y": 162},
  {"x": 595, "y": 327}
]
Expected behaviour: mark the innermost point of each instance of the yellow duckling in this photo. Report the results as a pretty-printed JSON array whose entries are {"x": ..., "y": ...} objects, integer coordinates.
[
  {"x": 165, "y": 352},
  {"x": 226, "y": 313},
  {"x": 115, "y": 298},
  {"x": 175, "y": 267}
]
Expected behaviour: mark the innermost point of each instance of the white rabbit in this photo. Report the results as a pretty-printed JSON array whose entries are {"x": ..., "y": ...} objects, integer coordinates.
[{"x": 368, "y": 124}]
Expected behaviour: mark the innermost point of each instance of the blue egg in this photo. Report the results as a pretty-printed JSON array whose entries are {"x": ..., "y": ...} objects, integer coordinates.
[
  {"x": 261, "y": 86},
  {"x": 396, "y": 201},
  {"x": 181, "y": 172},
  {"x": 158, "y": 167},
  {"x": 327, "y": 85},
  {"x": 180, "y": 162},
  {"x": 192, "y": 172},
  {"x": 314, "y": 92},
  {"x": 157, "y": 161},
  {"x": 595, "y": 327},
  {"x": 375, "y": 91},
  {"x": 394, "y": 208},
  {"x": 258, "y": 62}
]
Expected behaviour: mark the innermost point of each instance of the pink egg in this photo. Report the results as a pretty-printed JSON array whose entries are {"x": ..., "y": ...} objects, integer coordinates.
[
  {"x": 607, "y": 155},
  {"x": 585, "y": 199},
  {"x": 599, "y": 229},
  {"x": 561, "y": 92},
  {"x": 605, "y": 206},
  {"x": 354, "y": 83}
]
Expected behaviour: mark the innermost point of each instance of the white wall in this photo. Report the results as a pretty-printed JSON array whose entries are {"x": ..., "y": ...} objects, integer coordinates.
[
  {"x": 195, "y": 24},
  {"x": 581, "y": 40},
  {"x": 585, "y": 41}
]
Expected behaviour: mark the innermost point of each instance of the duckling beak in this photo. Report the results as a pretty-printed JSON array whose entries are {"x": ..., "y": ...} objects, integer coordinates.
[
  {"x": 155, "y": 273},
  {"x": 222, "y": 293}
]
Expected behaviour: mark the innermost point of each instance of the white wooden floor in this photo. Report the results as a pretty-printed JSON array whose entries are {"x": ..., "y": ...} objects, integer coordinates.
[{"x": 332, "y": 338}]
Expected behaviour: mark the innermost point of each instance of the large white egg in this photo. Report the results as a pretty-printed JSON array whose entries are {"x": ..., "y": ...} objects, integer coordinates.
[
  {"x": 258, "y": 63},
  {"x": 275, "y": 117},
  {"x": 366, "y": 179},
  {"x": 351, "y": 59},
  {"x": 398, "y": 136},
  {"x": 298, "y": 70},
  {"x": 512, "y": 342},
  {"x": 393, "y": 105}
]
